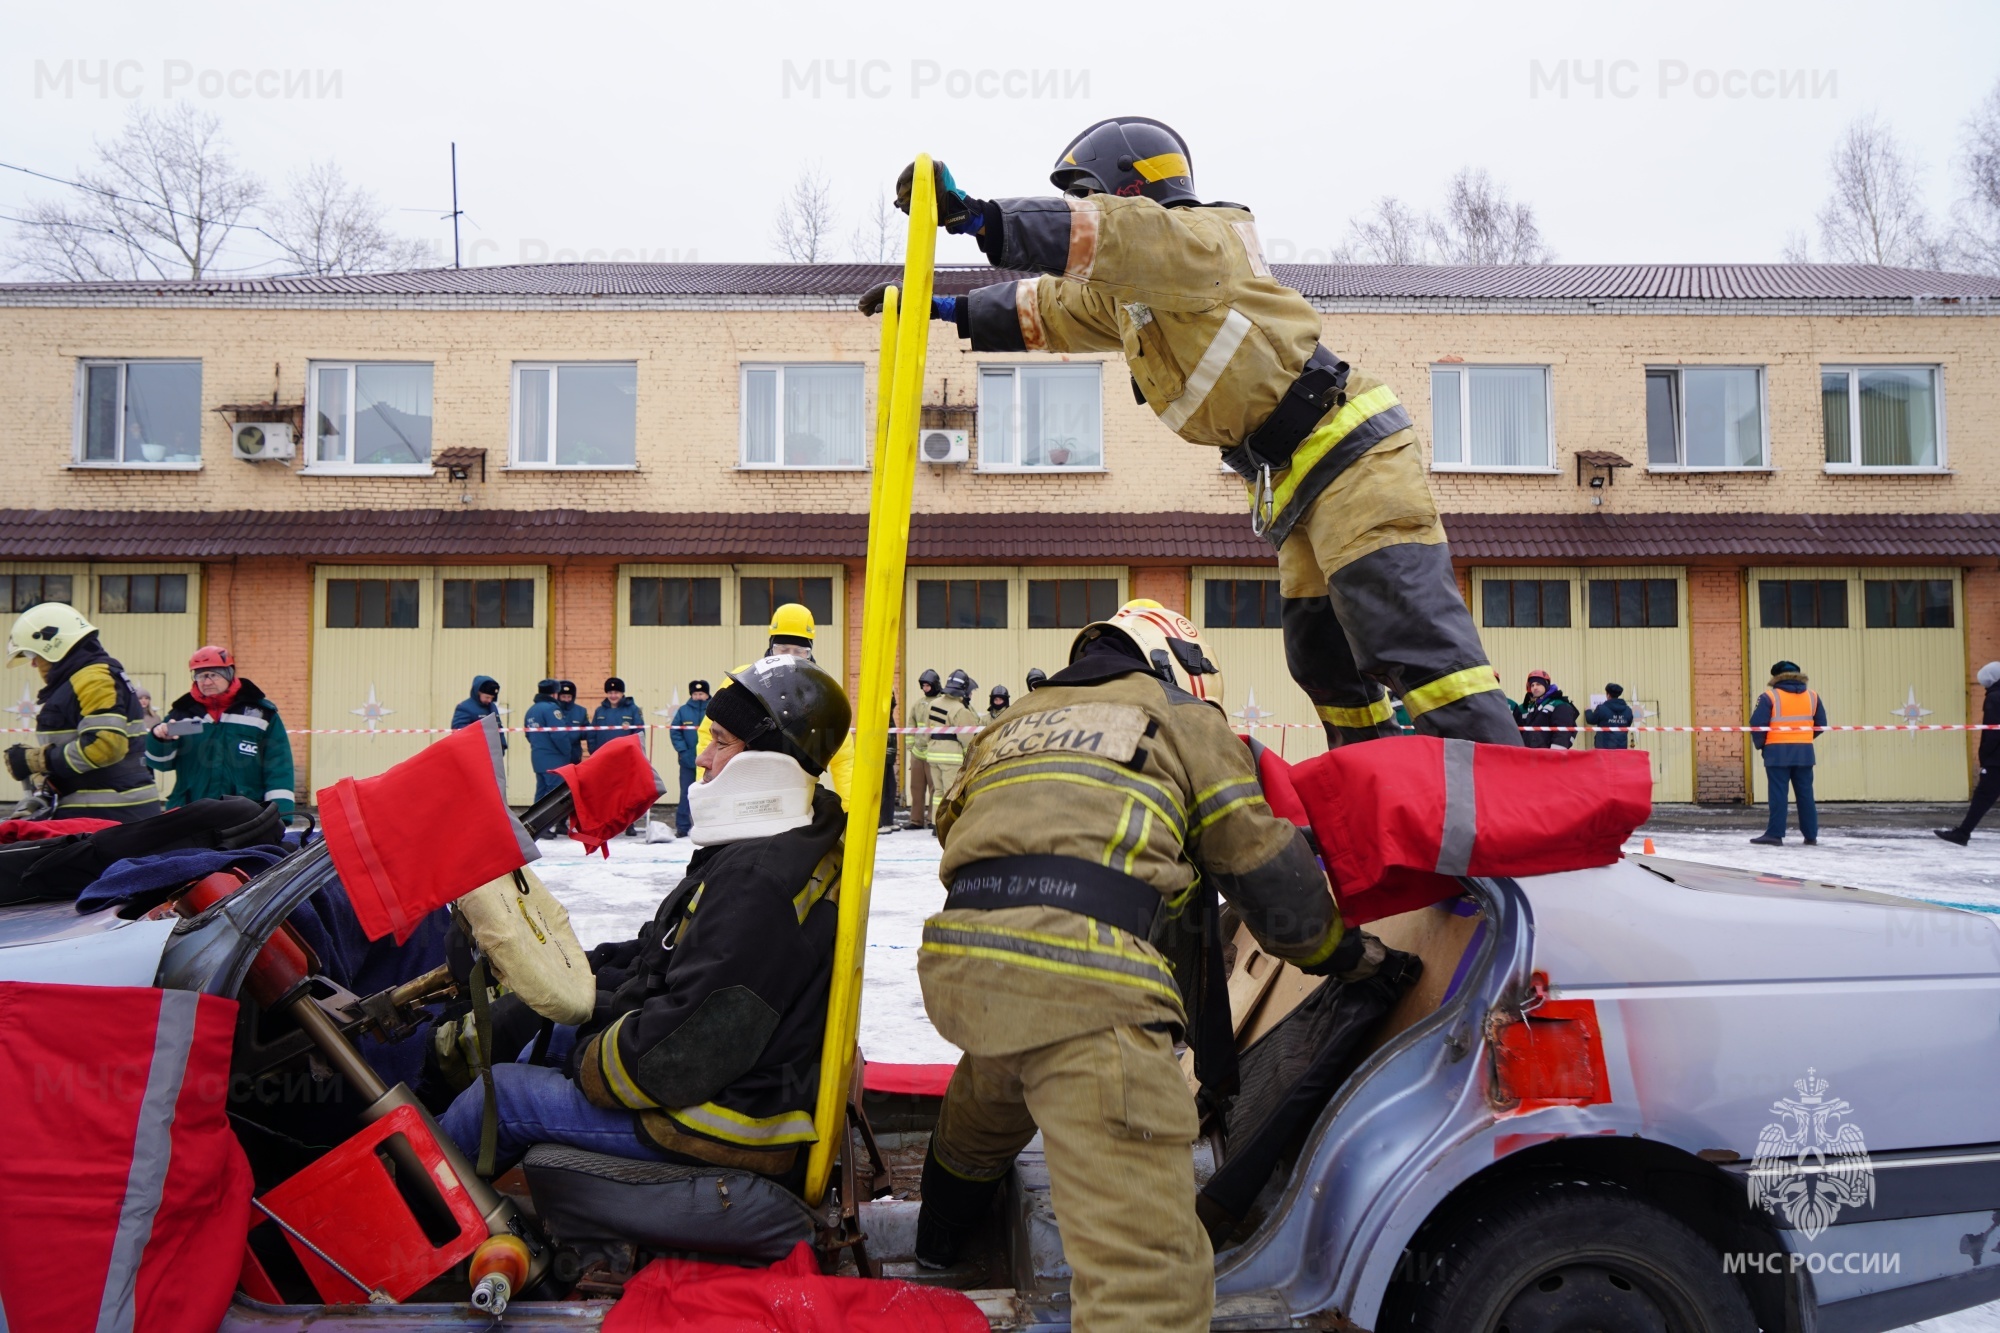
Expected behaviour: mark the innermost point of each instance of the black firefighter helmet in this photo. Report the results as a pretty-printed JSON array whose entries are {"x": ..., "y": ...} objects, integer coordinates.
[
  {"x": 804, "y": 705},
  {"x": 1130, "y": 155}
]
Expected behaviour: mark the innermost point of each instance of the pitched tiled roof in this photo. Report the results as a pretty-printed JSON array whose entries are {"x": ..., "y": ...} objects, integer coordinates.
[
  {"x": 478, "y": 534},
  {"x": 722, "y": 283}
]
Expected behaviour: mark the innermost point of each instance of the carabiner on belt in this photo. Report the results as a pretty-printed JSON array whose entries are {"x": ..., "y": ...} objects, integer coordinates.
[{"x": 1263, "y": 508}]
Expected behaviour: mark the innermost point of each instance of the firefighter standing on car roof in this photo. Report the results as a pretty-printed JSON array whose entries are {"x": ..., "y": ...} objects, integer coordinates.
[
  {"x": 89, "y": 730},
  {"x": 948, "y": 716},
  {"x": 1113, "y": 793},
  {"x": 929, "y": 686},
  {"x": 791, "y": 635},
  {"x": 1228, "y": 356}
]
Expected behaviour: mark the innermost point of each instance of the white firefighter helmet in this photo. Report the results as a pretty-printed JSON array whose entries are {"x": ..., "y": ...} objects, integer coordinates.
[
  {"x": 48, "y": 630},
  {"x": 1166, "y": 640}
]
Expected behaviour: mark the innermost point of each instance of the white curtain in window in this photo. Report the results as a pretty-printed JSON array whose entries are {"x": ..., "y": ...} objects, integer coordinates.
[
  {"x": 760, "y": 416},
  {"x": 823, "y": 416},
  {"x": 996, "y": 418},
  {"x": 596, "y": 415},
  {"x": 1898, "y": 417},
  {"x": 1060, "y": 424},
  {"x": 330, "y": 407},
  {"x": 163, "y": 412},
  {"x": 1725, "y": 421},
  {"x": 1447, "y": 430},
  {"x": 392, "y": 414},
  {"x": 1509, "y": 417},
  {"x": 533, "y": 411}
]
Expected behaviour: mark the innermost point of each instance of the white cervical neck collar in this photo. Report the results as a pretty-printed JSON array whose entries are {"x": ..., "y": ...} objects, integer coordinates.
[{"x": 757, "y": 794}]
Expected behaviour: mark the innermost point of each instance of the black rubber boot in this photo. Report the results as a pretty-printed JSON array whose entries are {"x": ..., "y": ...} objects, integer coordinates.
[{"x": 953, "y": 1208}]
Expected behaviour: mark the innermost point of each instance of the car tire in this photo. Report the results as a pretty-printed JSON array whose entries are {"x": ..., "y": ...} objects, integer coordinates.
[{"x": 1557, "y": 1255}]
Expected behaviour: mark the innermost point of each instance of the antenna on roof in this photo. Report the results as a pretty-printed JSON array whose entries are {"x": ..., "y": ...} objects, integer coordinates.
[{"x": 456, "y": 212}]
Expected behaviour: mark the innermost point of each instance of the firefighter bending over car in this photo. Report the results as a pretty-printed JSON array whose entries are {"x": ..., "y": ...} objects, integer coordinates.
[
  {"x": 1111, "y": 796},
  {"x": 705, "y": 1044},
  {"x": 90, "y": 727},
  {"x": 1228, "y": 356}
]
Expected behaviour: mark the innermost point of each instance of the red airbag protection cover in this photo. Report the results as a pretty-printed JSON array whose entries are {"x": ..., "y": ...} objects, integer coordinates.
[
  {"x": 347, "y": 1203},
  {"x": 791, "y": 1296},
  {"x": 1399, "y": 819}
]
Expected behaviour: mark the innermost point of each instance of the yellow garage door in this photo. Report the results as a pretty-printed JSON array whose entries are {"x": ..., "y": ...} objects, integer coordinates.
[
  {"x": 1880, "y": 646},
  {"x": 1591, "y": 627},
  {"x": 148, "y": 616},
  {"x": 995, "y": 622},
  {"x": 398, "y": 646},
  {"x": 1237, "y": 610}
]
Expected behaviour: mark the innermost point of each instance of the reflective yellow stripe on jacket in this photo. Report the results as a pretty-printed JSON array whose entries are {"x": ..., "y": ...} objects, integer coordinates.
[{"x": 1108, "y": 955}]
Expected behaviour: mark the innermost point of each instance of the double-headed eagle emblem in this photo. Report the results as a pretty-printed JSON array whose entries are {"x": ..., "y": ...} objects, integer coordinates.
[{"x": 1813, "y": 1161}]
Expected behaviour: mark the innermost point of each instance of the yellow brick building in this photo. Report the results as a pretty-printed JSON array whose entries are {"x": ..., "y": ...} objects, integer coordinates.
[{"x": 1666, "y": 476}]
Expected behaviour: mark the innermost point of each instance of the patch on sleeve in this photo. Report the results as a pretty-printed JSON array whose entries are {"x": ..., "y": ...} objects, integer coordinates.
[{"x": 1106, "y": 731}]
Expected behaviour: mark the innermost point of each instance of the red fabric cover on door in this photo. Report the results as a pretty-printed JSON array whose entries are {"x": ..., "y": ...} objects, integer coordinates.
[
  {"x": 608, "y": 791},
  {"x": 791, "y": 1296},
  {"x": 430, "y": 830},
  {"x": 1395, "y": 828},
  {"x": 127, "y": 1195}
]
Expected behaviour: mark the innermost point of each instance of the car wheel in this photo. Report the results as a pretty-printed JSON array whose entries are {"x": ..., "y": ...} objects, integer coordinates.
[{"x": 1556, "y": 1257}]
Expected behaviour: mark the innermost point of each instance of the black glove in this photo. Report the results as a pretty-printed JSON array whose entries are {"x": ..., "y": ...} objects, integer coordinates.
[
  {"x": 17, "y": 762},
  {"x": 1360, "y": 955},
  {"x": 954, "y": 209},
  {"x": 871, "y": 300}
]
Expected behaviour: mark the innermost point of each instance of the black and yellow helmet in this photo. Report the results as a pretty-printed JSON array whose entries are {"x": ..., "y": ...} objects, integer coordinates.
[{"x": 1128, "y": 155}]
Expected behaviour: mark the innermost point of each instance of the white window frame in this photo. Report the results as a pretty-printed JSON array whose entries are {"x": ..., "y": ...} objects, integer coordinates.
[
  {"x": 1464, "y": 369},
  {"x": 1679, "y": 370},
  {"x": 81, "y": 415},
  {"x": 309, "y": 446},
  {"x": 1014, "y": 369},
  {"x": 743, "y": 462},
  {"x": 514, "y": 463},
  {"x": 1852, "y": 369}
]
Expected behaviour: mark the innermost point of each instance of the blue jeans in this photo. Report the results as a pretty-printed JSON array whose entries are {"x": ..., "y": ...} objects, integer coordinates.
[
  {"x": 542, "y": 1105},
  {"x": 1800, "y": 779},
  {"x": 684, "y": 813},
  {"x": 546, "y": 783}
]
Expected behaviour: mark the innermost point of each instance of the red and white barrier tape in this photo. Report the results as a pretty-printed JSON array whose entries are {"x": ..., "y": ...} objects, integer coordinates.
[{"x": 944, "y": 731}]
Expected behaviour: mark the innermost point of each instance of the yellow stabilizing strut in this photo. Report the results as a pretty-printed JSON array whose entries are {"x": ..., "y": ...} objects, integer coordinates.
[{"x": 905, "y": 341}]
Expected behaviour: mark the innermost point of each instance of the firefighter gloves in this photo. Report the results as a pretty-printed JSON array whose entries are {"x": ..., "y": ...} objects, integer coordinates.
[
  {"x": 955, "y": 211},
  {"x": 23, "y": 760}
]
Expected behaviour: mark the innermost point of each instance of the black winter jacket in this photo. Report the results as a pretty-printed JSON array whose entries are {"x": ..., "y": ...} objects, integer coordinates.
[
  {"x": 1610, "y": 713},
  {"x": 710, "y": 1023},
  {"x": 1553, "y": 709},
  {"x": 1989, "y": 741}
]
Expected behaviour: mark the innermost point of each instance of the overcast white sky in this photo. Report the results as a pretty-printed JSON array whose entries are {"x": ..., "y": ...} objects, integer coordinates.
[{"x": 674, "y": 130}]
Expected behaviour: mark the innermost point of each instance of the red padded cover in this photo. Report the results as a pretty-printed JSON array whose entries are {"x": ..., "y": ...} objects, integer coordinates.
[{"x": 791, "y": 1296}]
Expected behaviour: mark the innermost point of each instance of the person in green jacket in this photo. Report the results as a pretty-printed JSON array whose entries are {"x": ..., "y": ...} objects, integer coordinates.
[{"x": 223, "y": 738}]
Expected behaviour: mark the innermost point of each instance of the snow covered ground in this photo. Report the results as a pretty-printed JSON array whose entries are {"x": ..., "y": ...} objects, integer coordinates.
[{"x": 610, "y": 899}]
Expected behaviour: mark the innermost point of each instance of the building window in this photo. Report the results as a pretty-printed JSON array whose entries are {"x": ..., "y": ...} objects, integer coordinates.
[
  {"x": 758, "y": 598},
  {"x": 802, "y": 416},
  {"x": 1907, "y": 603},
  {"x": 371, "y": 414},
  {"x": 1241, "y": 604},
  {"x": 692, "y": 601},
  {"x": 139, "y": 413},
  {"x": 1634, "y": 604},
  {"x": 1893, "y": 411},
  {"x": 576, "y": 415},
  {"x": 489, "y": 603},
  {"x": 1493, "y": 417},
  {"x": 1070, "y": 603},
  {"x": 18, "y": 592},
  {"x": 1705, "y": 417},
  {"x": 962, "y": 603},
  {"x": 371, "y": 603},
  {"x": 1040, "y": 417},
  {"x": 142, "y": 594},
  {"x": 1525, "y": 603},
  {"x": 1802, "y": 603}
]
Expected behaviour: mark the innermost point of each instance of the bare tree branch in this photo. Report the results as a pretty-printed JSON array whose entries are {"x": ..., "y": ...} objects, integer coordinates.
[
  {"x": 326, "y": 225},
  {"x": 1390, "y": 233},
  {"x": 879, "y": 237},
  {"x": 1481, "y": 225},
  {"x": 1797, "y": 248},
  {"x": 1875, "y": 213},
  {"x": 162, "y": 201},
  {"x": 1976, "y": 244},
  {"x": 803, "y": 228}
]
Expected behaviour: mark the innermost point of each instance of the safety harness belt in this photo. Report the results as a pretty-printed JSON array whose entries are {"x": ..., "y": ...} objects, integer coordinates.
[
  {"x": 1320, "y": 387},
  {"x": 1075, "y": 885}
]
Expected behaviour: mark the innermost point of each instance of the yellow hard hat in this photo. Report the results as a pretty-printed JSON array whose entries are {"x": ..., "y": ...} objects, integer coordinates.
[
  {"x": 48, "y": 631},
  {"x": 792, "y": 621}
]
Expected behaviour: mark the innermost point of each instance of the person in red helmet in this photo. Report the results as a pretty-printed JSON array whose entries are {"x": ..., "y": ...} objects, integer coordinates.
[
  {"x": 1545, "y": 705},
  {"x": 223, "y": 738}
]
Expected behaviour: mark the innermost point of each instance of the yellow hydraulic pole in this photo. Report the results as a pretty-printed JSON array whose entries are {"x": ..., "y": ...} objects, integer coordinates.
[{"x": 902, "y": 387}]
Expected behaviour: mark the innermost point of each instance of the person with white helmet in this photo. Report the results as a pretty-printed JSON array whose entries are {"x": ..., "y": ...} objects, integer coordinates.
[
  {"x": 88, "y": 722},
  {"x": 223, "y": 738},
  {"x": 1112, "y": 801},
  {"x": 792, "y": 634}
]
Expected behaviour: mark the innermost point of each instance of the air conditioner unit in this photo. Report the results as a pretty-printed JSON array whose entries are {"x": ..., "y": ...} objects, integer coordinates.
[
  {"x": 943, "y": 446},
  {"x": 255, "y": 441}
]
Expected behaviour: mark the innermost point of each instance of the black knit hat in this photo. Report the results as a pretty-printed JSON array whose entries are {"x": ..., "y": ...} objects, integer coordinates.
[{"x": 737, "y": 712}]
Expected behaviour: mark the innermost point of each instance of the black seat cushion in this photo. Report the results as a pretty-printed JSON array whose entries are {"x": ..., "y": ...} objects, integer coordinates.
[{"x": 585, "y": 1196}]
